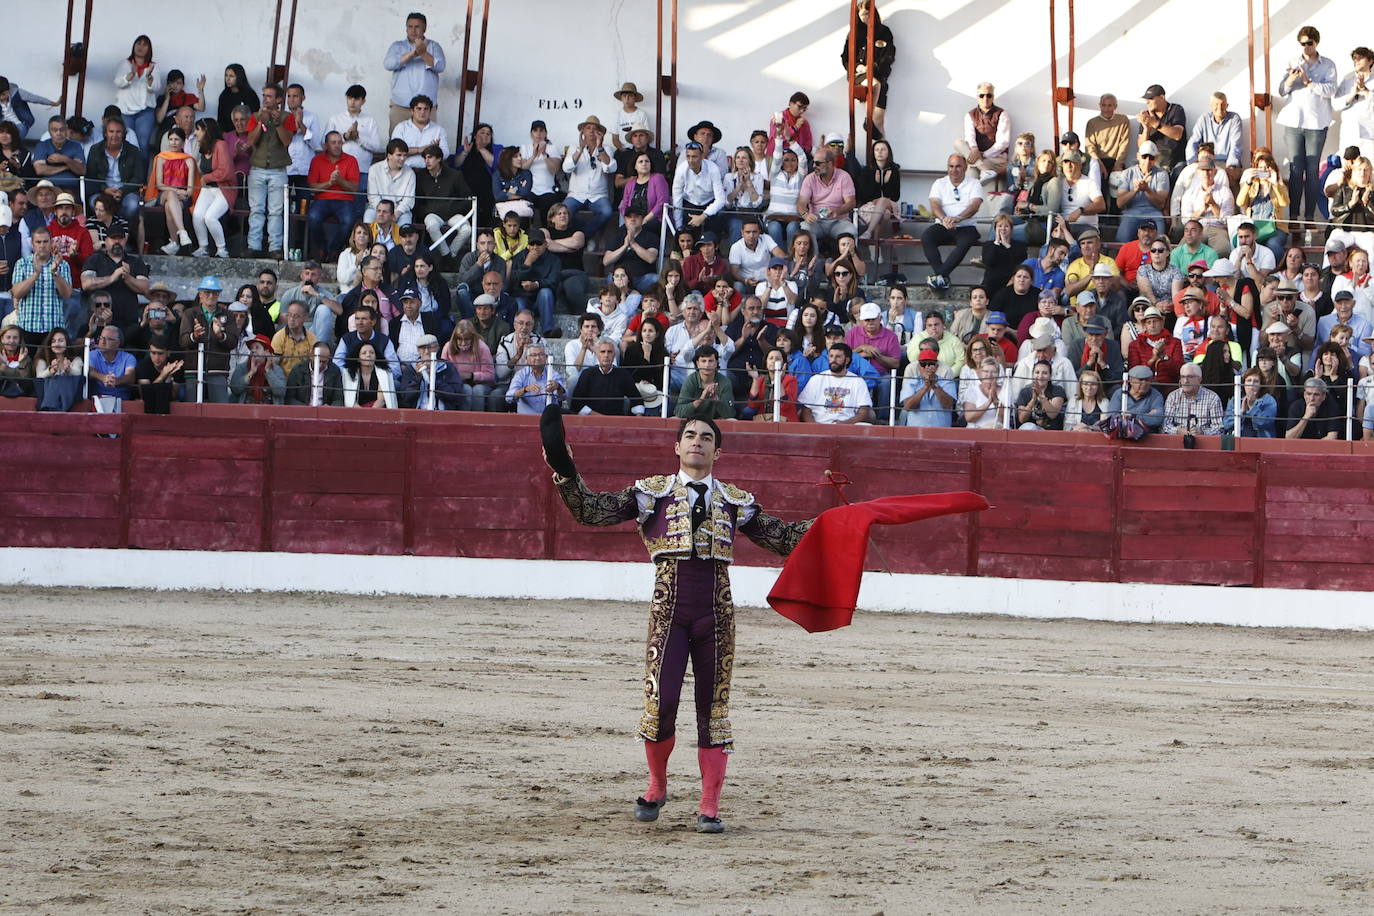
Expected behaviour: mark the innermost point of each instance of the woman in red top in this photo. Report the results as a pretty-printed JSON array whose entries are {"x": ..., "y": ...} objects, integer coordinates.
[
  {"x": 723, "y": 297},
  {"x": 762, "y": 389},
  {"x": 217, "y": 190}
]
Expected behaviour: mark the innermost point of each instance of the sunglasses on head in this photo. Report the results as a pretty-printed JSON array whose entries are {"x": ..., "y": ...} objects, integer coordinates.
[{"x": 693, "y": 145}]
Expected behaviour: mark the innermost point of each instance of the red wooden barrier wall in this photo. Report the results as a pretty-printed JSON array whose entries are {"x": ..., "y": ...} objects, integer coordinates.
[{"x": 1066, "y": 507}]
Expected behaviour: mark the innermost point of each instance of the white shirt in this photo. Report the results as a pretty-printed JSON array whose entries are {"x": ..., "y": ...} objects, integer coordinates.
[
  {"x": 834, "y": 399},
  {"x": 398, "y": 188},
  {"x": 679, "y": 341},
  {"x": 626, "y": 121},
  {"x": 1079, "y": 194},
  {"x": 702, "y": 189},
  {"x": 1263, "y": 258},
  {"x": 752, "y": 265},
  {"x": 1357, "y": 122},
  {"x": 1221, "y": 196},
  {"x": 783, "y": 191},
  {"x": 1061, "y": 374},
  {"x": 743, "y": 201},
  {"x": 1309, "y": 107},
  {"x": 305, "y": 145},
  {"x": 369, "y": 141},
  {"x": 409, "y": 333},
  {"x": 955, "y": 199},
  {"x": 544, "y": 180},
  {"x": 587, "y": 172},
  {"x": 432, "y": 134}
]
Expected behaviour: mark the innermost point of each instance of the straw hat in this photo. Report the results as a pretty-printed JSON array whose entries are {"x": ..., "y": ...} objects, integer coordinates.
[
  {"x": 593, "y": 121},
  {"x": 629, "y": 89}
]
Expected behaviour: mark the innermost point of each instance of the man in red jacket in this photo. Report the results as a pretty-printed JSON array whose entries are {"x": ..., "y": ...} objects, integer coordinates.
[{"x": 1157, "y": 348}]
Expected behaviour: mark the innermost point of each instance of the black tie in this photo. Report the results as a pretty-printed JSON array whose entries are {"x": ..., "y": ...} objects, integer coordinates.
[{"x": 699, "y": 507}]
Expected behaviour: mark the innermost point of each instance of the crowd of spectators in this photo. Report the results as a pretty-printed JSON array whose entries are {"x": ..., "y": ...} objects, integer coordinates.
[{"x": 759, "y": 306}]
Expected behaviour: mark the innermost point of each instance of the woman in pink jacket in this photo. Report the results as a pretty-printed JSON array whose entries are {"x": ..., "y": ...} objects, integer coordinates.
[
  {"x": 649, "y": 189},
  {"x": 217, "y": 188},
  {"x": 471, "y": 359}
]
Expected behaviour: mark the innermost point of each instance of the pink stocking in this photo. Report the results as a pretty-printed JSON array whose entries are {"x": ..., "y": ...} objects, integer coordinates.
[
  {"x": 657, "y": 752},
  {"x": 712, "y": 761}
]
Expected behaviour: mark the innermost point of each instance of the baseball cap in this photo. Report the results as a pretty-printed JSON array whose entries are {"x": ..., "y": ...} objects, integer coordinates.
[
  {"x": 1343, "y": 294},
  {"x": 707, "y": 237},
  {"x": 1140, "y": 372},
  {"x": 537, "y": 124},
  {"x": 1069, "y": 136},
  {"x": 869, "y": 310},
  {"x": 1087, "y": 296},
  {"x": 1148, "y": 148},
  {"x": 927, "y": 356},
  {"x": 1335, "y": 245},
  {"x": 1072, "y": 155},
  {"x": 118, "y": 229},
  {"x": 778, "y": 262},
  {"x": 996, "y": 318},
  {"x": 834, "y": 138},
  {"x": 6, "y": 216},
  {"x": 408, "y": 292},
  {"x": 237, "y": 306},
  {"x": 1154, "y": 92}
]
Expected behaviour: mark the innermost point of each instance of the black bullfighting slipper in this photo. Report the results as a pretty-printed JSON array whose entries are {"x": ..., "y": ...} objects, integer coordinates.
[
  {"x": 709, "y": 824},
  {"x": 648, "y": 810}
]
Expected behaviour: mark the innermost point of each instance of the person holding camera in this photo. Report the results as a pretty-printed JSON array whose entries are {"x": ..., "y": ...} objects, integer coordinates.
[{"x": 208, "y": 323}]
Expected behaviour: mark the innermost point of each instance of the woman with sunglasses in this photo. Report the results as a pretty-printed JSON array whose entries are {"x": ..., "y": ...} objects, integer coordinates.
[
  {"x": 843, "y": 287},
  {"x": 1131, "y": 328},
  {"x": 1263, "y": 200},
  {"x": 1157, "y": 278},
  {"x": 1308, "y": 84}
]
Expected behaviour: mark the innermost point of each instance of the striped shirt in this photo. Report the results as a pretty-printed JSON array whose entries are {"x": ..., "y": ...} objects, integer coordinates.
[{"x": 41, "y": 309}]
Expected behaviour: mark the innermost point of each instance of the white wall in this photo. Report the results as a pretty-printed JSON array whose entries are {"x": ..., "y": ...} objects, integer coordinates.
[{"x": 739, "y": 59}]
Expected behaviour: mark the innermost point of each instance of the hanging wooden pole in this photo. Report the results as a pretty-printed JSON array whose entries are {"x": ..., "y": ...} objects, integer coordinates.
[
  {"x": 1268, "y": 106},
  {"x": 672, "y": 97},
  {"x": 463, "y": 86},
  {"x": 290, "y": 40},
  {"x": 853, "y": 63},
  {"x": 481, "y": 65},
  {"x": 1054, "y": 77},
  {"x": 658, "y": 76},
  {"x": 1072, "y": 49},
  {"x": 276, "y": 35},
  {"x": 1250, "y": 47},
  {"x": 66, "y": 58}
]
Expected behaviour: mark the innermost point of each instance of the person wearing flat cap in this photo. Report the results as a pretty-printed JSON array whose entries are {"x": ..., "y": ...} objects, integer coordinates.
[{"x": 1139, "y": 399}]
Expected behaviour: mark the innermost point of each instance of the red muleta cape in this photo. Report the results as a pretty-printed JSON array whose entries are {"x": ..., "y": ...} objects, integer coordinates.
[{"x": 819, "y": 585}]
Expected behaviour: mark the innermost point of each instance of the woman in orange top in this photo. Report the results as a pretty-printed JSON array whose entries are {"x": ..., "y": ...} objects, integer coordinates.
[{"x": 173, "y": 179}]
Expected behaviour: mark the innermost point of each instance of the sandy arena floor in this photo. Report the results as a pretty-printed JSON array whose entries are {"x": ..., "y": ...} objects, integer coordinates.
[{"x": 224, "y": 753}]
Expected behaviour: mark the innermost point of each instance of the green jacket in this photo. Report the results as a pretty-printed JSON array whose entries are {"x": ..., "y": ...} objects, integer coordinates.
[{"x": 722, "y": 407}]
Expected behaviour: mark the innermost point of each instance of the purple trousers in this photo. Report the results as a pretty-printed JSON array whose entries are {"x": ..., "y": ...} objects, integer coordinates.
[{"x": 692, "y": 616}]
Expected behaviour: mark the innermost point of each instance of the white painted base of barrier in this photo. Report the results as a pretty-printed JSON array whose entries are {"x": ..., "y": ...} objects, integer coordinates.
[{"x": 562, "y": 579}]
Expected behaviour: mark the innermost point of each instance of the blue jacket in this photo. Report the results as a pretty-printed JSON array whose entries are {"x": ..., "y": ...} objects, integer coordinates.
[{"x": 1257, "y": 422}]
